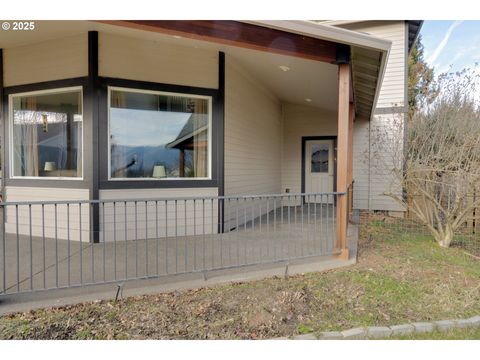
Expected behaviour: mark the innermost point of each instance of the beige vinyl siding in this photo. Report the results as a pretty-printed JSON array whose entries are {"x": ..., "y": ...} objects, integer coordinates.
[
  {"x": 384, "y": 157},
  {"x": 376, "y": 144},
  {"x": 361, "y": 163},
  {"x": 17, "y": 193},
  {"x": 252, "y": 135},
  {"x": 252, "y": 141},
  {"x": 165, "y": 218},
  {"x": 161, "y": 62},
  {"x": 392, "y": 91},
  {"x": 48, "y": 60},
  {"x": 299, "y": 121}
]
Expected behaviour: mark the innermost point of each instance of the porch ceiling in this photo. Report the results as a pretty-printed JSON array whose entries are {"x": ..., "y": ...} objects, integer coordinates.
[
  {"x": 305, "y": 82},
  {"x": 368, "y": 58}
]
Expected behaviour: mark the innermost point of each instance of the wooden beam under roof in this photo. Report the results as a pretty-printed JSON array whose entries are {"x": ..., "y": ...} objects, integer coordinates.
[{"x": 240, "y": 34}]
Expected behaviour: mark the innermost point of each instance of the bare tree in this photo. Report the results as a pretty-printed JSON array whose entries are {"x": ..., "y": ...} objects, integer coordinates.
[{"x": 435, "y": 165}]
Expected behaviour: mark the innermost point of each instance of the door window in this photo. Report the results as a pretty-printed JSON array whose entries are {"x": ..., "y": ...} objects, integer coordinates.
[{"x": 319, "y": 158}]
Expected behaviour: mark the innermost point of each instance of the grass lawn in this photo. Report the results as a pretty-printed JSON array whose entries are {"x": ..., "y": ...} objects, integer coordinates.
[{"x": 399, "y": 278}]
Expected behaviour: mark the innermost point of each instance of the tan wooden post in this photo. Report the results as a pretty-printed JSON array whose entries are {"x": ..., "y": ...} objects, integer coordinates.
[{"x": 344, "y": 149}]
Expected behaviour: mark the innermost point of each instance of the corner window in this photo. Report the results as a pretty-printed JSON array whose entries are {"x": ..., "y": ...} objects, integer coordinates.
[
  {"x": 155, "y": 135},
  {"x": 46, "y": 134}
]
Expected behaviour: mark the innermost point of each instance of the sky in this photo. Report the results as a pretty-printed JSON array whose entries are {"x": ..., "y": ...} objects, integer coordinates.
[
  {"x": 451, "y": 45},
  {"x": 147, "y": 129}
]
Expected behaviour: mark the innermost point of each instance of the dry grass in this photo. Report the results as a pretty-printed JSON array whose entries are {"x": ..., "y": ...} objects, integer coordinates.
[{"x": 399, "y": 278}]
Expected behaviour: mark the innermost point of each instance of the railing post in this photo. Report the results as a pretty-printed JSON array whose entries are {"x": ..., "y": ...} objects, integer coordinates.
[{"x": 221, "y": 212}]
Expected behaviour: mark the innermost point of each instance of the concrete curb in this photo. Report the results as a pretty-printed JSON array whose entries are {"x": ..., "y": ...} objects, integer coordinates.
[
  {"x": 14, "y": 303},
  {"x": 384, "y": 332}
]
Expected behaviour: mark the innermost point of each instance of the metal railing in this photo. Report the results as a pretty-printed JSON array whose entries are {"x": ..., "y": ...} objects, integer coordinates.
[{"x": 60, "y": 244}]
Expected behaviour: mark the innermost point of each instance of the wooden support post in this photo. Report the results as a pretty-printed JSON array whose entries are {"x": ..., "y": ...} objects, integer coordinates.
[{"x": 344, "y": 148}]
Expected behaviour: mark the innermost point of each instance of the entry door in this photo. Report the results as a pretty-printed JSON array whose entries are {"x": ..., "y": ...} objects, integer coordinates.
[{"x": 319, "y": 167}]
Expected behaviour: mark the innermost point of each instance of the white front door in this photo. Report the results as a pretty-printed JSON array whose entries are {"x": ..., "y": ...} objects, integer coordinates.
[{"x": 319, "y": 167}]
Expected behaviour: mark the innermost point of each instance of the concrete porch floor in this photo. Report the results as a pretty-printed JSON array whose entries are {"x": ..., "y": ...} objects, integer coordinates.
[{"x": 163, "y": 264}]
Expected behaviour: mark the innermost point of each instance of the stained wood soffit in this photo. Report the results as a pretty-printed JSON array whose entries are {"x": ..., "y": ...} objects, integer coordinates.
[{"x": 241, "y": 34}]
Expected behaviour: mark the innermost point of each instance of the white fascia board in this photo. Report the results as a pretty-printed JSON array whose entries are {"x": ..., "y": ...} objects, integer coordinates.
[
  {"x": 381, "y": 74},
  {"x": 340, "y": 22},
  {"x": 326, "y": 32}
]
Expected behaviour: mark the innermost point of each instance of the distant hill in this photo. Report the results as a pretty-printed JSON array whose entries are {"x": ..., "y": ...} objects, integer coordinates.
[{"x": 147, "y": 157}]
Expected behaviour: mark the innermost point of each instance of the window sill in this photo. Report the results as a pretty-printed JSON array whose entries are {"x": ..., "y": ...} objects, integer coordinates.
[
  {"x": 46, "y": 178},
  {"x": 160, "y": 179}
]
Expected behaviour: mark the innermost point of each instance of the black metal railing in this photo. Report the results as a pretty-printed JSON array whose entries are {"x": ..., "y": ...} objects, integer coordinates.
[{"x": 56, "y": 244}]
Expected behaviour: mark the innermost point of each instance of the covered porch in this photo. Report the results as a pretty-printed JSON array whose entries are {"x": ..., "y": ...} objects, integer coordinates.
[
  {"x": 276, "y": 188},
  {"x": 270, "y": 233}
]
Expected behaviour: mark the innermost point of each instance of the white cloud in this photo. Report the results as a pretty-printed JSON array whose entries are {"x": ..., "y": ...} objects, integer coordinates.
[
  {"x": 131, "y": 127},
  {"x": 438, "y": 50}
]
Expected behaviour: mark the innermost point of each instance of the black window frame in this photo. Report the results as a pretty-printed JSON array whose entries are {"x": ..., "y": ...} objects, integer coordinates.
[
  {"x": 78, "y": 183},
  {"x": 216, "y": 135}
]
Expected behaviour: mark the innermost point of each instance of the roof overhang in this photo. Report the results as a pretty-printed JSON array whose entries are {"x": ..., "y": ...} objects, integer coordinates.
[
  {"x": 240, "y": 34},
  {"x": 368, "y": 57},
  {"x": 334, "y": 34},
  {"x": 414, "y": 27},
  {"x": 305, "y": 39},
  {"x": 302, "y": 40}
]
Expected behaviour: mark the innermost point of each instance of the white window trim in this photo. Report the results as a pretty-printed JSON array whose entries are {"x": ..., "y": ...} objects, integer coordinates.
[
  {"x": 10, "y": 133},
  {"x": 155, "y": 92}
]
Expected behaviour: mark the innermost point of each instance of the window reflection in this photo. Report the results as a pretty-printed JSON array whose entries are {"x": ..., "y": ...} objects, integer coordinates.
[
  {"x": 47, "y": 134},
  {"x": 158, "y": 135}
]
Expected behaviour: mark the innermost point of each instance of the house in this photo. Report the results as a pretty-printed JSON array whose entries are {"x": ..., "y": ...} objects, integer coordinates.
[{"x": 105, "y": 110}]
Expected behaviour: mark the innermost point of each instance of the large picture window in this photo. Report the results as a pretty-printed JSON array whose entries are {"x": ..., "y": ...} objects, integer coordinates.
[
  {"x": 155, "y": 135},
  {"x": 46, "y": 133}
]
